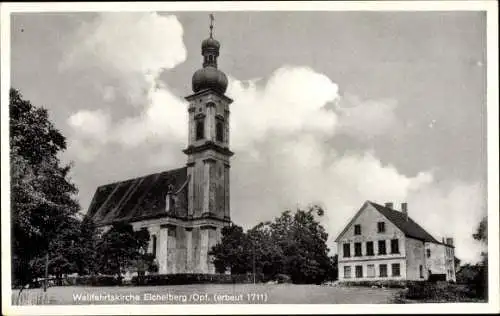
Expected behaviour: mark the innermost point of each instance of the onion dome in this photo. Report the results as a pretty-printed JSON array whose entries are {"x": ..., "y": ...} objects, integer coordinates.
[
  {"x": 209, "y": 77},
  {"x": 210, "y": 43}
]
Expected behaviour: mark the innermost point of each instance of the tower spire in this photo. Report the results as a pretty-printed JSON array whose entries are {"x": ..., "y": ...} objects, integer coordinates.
[
  {"x": 209, "y": 77},
  {"x": 211, "y": 24}
]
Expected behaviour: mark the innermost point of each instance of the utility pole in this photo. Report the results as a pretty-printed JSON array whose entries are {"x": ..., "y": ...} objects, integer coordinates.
[{"x": 46, "y": 272}]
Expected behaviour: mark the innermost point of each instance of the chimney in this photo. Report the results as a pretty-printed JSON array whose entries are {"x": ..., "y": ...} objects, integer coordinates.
[
  {"x": 449, "y": 241},
  {"x": 443, "y": 241},
  {"x": 389, "y": 205},
  {"x": 404, "y": 209}
]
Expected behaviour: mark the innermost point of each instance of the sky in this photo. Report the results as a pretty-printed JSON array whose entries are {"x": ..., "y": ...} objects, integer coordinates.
[{"x": 334, "y": 108}]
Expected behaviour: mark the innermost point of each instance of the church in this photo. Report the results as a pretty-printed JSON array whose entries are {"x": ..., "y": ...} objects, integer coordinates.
[{"x": 183, "y": 209}]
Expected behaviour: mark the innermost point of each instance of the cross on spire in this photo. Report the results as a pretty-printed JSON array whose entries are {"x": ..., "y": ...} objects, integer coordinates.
[{"x": 211, "y": 24}]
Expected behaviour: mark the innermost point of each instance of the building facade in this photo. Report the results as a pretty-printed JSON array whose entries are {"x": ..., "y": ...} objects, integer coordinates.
[
  {"x": 183, "y": 209},
  {"x": 380, "y": 243}
]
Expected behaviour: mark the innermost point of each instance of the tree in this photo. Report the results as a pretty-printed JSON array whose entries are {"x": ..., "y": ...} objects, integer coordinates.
[
  {"x": 63, "y": 251},
  {"x": 42, "y": 195},
  {"x": 481, "y": 233},
  {"x": 303, "y": 242},
  {"x": 292, "y": 244},
  {"x": 456, "y": 262},
  {"x": 233, "y": 252},
  {"x": 333, "y": 274},
  {"x": 121, "y": 247},
  {"x": 480, "y": 281},
  {"x": 88, "y": 239},
  {"x": 267, "y": 255}
]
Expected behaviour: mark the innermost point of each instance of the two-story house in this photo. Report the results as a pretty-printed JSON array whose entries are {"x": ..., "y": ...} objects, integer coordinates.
[{"x": 380, "y": 243}]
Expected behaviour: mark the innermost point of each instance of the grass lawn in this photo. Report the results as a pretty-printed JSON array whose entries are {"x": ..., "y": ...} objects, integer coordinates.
[{"x": 207, "y": 294}]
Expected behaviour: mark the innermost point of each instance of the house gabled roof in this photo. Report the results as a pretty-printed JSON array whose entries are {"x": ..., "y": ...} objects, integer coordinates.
[
  {"x": 408, "y": 226},
  {"x": 352, "y": 220},
  {"x": 139, "y": 198}
]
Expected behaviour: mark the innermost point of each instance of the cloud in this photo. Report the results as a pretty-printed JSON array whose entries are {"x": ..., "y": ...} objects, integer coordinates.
[
  {"x": 292, "y": 99},
  {"x": 298, "y": 170},
  {"x": 130, "y": 47},
  {"x": 452, "y": 209},
  {"x": 108, "y": 93},
  {"x": 130, "y": 50},
  {"x": 164, "y": 117},
  {"x": 366, "y": 119},
  {"x": 94, "y": 124},
  {"x": 280, "y": 131},
  {"x": 89, "y": 133},
  {"x": 127, "y": 50}
]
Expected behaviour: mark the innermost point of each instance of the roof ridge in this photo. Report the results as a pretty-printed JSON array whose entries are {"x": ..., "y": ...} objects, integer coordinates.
[
  {"x": 144, "y": 176},
  {"x": 128, "y": 198},
  {"x": 401, "y": 226}
]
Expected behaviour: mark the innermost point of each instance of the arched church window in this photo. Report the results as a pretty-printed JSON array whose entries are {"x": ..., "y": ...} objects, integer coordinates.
[
  {"x": 219, "y": 131},
  {"x": 200, "y": 129}
]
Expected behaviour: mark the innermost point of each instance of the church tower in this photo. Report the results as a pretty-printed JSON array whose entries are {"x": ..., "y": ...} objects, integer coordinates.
[{"x": 208, "y": 154}]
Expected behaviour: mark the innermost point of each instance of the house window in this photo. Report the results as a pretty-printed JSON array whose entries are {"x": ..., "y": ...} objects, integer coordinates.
[
  {"x": 154, "y": 246},
  {"x": 219, "y": 132},
  {"x": 396, "y": 269},
  {"x": 357, "y": 229},
  {"x": 357, "y": 249},
  {"x": 347, "y": 272},
  {"x": 200, "y": 129},
  {"x": 347, "y": 250},
  {"x": 394, "y": 246},
  {"x": 381, "y": 247},
  {"x": 359, "y": 271},
  {"x": 428, "y": 253},
  {"x": 370, "y": 272},
  {"x": 369, "y": 248},
  {"x": 421, "y": 270},
  {"x": 380, "y": 227},
  {"x": 383, "y": 270}
]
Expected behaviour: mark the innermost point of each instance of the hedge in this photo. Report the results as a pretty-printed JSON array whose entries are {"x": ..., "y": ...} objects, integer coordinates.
[
  {"x": 193, "y": 278},
  {"x": 439, "y": 291},
  {"x": 93, "y": 280},
  {"x": 398, "y": 284}
]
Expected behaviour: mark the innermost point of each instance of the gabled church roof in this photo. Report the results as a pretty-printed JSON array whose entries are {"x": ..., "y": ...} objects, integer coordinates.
[
  {"x": 408, "y": 226},
  {"x": 139, "y": 198}
]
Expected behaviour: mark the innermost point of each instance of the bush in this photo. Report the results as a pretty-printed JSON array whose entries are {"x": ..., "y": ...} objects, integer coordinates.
[
  {"x": 93, "y": 280},
  {"x": 398, "y": 284},
  {"x": 438, "y": 292},
  {"x": 283, "y": 278},
  {"x": 193, "y": 278}
]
